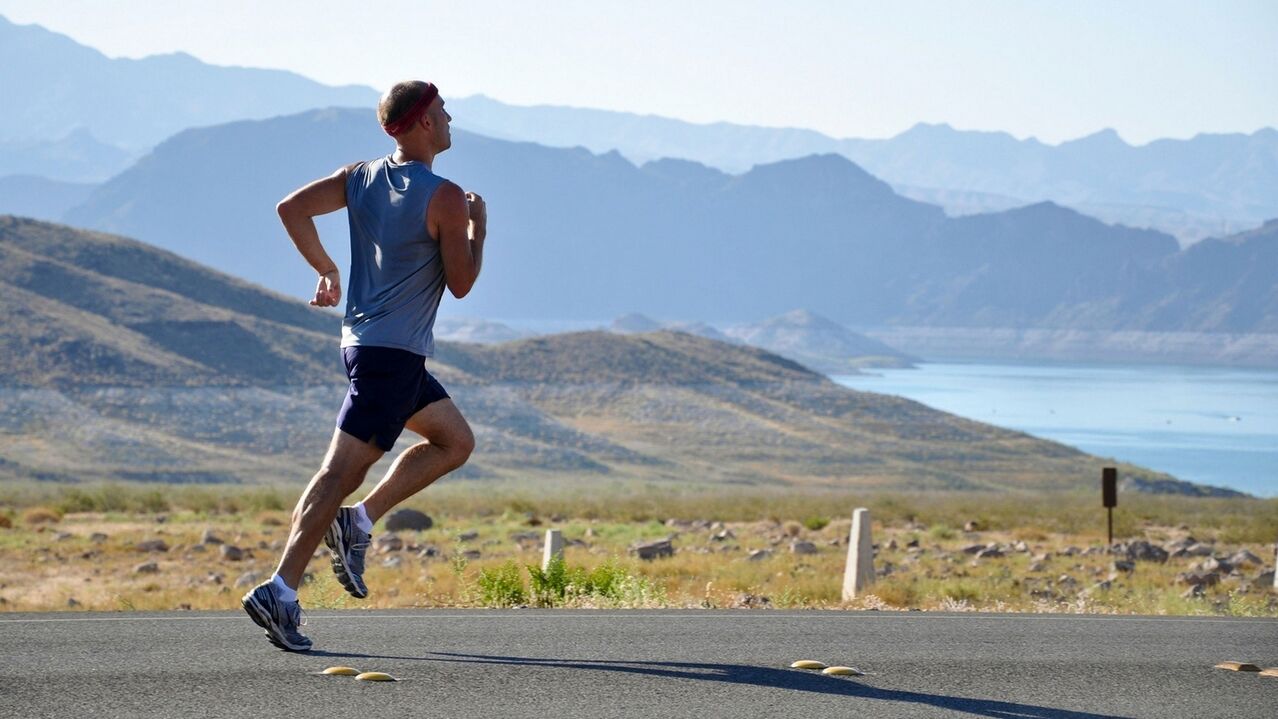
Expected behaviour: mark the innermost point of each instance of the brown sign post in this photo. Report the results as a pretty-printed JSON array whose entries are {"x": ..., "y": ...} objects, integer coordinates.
[{"x": 1109, "y": 496}]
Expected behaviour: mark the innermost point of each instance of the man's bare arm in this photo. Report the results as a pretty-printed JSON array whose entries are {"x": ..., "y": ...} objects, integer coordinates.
[
  {"x": 460, "y": 221},
  {"x": 298, "y": 212}
]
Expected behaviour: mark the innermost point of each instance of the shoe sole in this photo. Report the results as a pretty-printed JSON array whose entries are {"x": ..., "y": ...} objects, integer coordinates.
[
  {"x": 333, "y": 538},
  {"x": 262, "y": 618}
]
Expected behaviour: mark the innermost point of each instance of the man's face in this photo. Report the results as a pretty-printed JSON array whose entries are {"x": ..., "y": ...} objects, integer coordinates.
[{"x": 439, "y": 119}]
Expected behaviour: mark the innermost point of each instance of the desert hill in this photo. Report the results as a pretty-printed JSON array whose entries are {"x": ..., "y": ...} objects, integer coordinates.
[
  {"x": 92, "y": 309},
  {"x": 125, "y": 361}
]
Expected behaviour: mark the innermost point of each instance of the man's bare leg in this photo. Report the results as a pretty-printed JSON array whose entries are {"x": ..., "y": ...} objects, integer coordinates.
[
  {"x": 345, "y": 466},
  {"x": 448, "y": 444}
]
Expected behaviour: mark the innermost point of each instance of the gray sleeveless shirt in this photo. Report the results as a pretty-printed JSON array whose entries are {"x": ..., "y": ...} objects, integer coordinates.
[{"x": 397, "y": 273}]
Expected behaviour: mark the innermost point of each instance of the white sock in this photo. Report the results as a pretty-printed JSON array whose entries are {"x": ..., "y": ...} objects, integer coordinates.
[
  {"x": 284, "y": 592},
  {"x": 361, "y": 519}
]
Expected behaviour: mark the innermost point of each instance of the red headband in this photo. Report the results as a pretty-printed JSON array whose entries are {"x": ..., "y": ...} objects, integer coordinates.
[{"x": 410, "y": 118}]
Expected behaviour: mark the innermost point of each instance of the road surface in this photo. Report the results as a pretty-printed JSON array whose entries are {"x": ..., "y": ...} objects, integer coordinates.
[{"x": 576, "y": 663}]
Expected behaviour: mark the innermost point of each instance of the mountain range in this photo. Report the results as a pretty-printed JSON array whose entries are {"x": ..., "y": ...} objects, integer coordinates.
[
  {"x": 122, "y": 361},
  {"x": 74, "y": 114},
  {"x": 1209, "y": 184},
  {"x": 582, "y": 236},
  {"x": 54, "y": 87},
  {"x": 805, "y": 337}
]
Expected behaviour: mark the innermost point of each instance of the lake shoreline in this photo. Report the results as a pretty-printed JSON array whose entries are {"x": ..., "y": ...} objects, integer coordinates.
[{"x": 1208, "y": 425}]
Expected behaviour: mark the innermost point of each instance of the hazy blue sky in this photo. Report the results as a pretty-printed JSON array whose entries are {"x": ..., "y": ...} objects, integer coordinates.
[{"x": 1055, "y": 70}]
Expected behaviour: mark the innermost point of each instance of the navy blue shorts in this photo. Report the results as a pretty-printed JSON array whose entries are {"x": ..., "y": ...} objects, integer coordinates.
[{"x": 388, "y": 386}]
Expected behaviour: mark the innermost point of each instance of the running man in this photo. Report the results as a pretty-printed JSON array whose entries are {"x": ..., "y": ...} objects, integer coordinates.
[{"x": 413, "y": 233}]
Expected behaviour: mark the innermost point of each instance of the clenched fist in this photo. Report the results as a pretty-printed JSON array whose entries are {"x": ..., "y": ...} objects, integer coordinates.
[{"x": 478, "y": 211}]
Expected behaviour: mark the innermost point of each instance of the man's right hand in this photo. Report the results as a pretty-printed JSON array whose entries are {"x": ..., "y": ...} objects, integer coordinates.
[{"x": 328, "y": 292}]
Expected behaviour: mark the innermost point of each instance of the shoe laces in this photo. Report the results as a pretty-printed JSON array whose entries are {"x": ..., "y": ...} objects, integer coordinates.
[{"x": 296, "y": 615}]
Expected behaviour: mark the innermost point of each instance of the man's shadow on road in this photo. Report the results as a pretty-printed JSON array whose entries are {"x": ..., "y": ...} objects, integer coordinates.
[{"x": 792, "y": 679}]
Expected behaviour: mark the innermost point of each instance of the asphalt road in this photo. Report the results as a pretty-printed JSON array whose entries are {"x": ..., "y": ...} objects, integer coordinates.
[{"x": 571, "y": 663}]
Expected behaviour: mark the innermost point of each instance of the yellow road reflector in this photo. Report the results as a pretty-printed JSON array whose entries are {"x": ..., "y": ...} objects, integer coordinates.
[
  {"x": 1238, "y": 667},
  {"x": 341, "y": 671},
  {"x": 1269, "y": 672},
  {"x": 375, "y": 677},
  {"x": 807, "y": 664},
  {"x": 843, "y": 672}
]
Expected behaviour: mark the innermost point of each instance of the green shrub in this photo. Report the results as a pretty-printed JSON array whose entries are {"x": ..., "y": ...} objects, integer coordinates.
[
  {"x": 606, "y": 580},
  {"x": 961, "y": 590},
  {"x": 558, "y": 583},
  {"x": 502, "y": 586},
  {"x": 549, "y": 586},
  {"x": 99, "y": 498},
  {"x": 816, "y": 524},
  {"x": 942, "y": 531},
  {"x": 153, "y": 502}
]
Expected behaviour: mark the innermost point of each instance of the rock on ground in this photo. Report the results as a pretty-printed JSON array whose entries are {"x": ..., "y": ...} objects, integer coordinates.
[
  {"x": 1244, "y": 558},
  {"x": 1198, "y": 579},
  {"x": 1142, "y": 551},
  {"x": 388, "y": 543},
  {"x": 803, "y": 548},
  {"x": 152, "y": 545},
  {"x": 654, "y": 550},
  {"x": 408, "y": 520}
]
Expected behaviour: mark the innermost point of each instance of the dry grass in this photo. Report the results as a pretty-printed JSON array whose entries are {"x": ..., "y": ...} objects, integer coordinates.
[
  {"x": 1029, "y": 515},
  {"x": 41, "y": 515},
  {"x": 44, "y": 567}
]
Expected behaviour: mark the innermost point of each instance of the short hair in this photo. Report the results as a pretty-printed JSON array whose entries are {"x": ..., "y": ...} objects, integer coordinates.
[{"x": 399, "y": 100}]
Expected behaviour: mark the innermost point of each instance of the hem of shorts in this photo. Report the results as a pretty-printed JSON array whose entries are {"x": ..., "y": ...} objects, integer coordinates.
[
  {"x": 389, "y": 345},
  {"x": 373, "y": 438}
]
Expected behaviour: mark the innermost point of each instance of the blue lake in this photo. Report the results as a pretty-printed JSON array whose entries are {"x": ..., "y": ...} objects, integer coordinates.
[{"x": 1206, "y": 425}]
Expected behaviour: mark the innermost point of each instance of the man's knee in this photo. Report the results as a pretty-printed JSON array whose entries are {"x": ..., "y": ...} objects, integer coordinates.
[
  {"x": 344, "y": 479},
  {"x": 345, "y": 473},
  {"x": 460, "y": 444},
  {"x": 347, "y": 463}
]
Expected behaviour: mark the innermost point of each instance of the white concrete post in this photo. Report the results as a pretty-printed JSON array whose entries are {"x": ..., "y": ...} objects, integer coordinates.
[
  {"x": 859, "y": 573},
  {"x": 554, "y": 547},
  {"x": 1276, "y": 567}
]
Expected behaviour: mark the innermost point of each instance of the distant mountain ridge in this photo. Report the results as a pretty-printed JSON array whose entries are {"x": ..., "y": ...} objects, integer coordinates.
[
  {"x": 76, "y": 157},
  {"x": 64, "y": 98},
  {"x": 121, "y": 361},
  {"x": 805, "y": 337},
  {"x": 41, "y": 198},
  {"x": 54, "y": 86},
  {"x": 1209, "y": 184},
  {"x": 820, "y": 343},
  {"x": 817, "y": 231}
]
